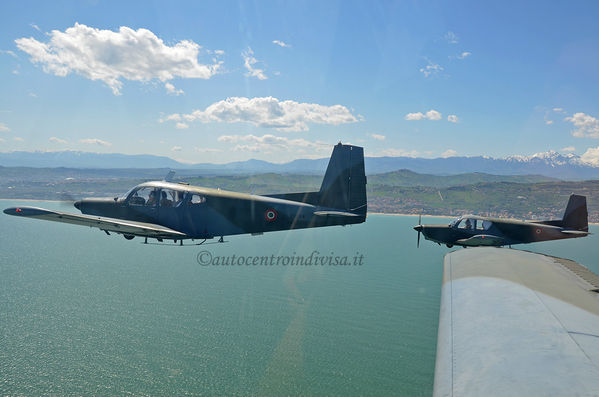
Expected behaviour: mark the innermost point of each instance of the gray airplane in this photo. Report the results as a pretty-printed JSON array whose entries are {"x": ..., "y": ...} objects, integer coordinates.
[
  {"x": 177, "y": 211},
  {"x": 475, "y": 231}
]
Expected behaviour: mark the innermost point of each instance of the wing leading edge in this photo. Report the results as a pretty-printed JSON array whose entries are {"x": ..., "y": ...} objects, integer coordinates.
[
  {"x": 516, "y": 323},
  {"x": 120, "y": 226}
]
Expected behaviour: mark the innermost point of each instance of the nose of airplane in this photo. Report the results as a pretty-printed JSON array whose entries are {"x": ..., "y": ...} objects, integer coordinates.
[
  {"x": 77, "y": 204},
  {"x": 418, "y": 228}
]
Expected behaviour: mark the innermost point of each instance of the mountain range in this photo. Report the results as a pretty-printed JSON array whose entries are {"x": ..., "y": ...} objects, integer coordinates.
[{"x": 551, "y": 164}]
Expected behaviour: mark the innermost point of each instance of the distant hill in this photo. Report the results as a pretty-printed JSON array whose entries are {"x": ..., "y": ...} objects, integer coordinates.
[
  {"x": 410, "y": 178},
  {"x": 549, "y": 164},
  {"x": 77, "y": 159},
  {"x": 403, "y": 191},
  {"x": 544, "y": 200}
]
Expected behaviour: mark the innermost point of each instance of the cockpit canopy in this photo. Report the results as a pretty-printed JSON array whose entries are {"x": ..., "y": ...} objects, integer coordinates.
[
  {"x": 470, "y": 222},
  {"x": 149, "y": 195}
]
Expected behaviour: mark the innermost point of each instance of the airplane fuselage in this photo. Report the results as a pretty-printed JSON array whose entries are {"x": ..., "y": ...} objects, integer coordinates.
[{"x": 206, "y": 213}]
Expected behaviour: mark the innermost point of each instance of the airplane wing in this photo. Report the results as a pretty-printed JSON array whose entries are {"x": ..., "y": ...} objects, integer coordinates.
[
  {"x": 516, "y": 323},
  {"x": 107, "y": 224}
]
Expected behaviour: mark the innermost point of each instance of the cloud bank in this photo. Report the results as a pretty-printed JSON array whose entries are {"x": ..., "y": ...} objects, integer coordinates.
[
  {"x": 269, "y": 112},
  {"x": 96, "y": 54}
]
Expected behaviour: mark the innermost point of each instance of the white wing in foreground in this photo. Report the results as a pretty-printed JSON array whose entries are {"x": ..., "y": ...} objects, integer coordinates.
[
  {"x": 515, "y": 323},
  {"x": 120, "y": 226}
]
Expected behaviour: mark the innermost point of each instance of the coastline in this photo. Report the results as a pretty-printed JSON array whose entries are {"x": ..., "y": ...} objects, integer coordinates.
[
  {"x": 415, "y": 215},
  {"x": 34, "y": 200}
]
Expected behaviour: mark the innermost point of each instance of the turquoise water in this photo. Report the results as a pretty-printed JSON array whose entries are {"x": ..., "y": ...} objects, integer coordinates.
[{"x": 85, "y": 313}]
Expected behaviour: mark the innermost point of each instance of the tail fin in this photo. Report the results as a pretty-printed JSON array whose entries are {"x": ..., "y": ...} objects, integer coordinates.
[
  {"x": 344, "y": 183},
  {"x": 576, "y": 215}
]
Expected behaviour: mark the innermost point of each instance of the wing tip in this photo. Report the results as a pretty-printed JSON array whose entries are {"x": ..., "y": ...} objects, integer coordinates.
[{"x": 26, "y": 211}]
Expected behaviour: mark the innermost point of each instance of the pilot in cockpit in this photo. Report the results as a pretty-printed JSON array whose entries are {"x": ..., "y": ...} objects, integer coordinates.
[
  {"x": 152, "y": 199},
  {"x": 164, "y": 201}
]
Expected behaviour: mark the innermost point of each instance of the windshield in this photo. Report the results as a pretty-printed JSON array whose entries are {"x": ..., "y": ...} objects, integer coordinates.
[{"x": 127, "y": 194}]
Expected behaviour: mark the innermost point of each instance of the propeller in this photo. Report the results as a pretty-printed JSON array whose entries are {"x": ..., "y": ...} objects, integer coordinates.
[
  {"x": 67, "y": 199},
  {"x": 418, "y": 229}
]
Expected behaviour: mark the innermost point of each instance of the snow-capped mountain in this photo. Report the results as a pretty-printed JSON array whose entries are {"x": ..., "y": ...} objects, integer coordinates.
[
  {"x": 550, "y": 158},
  {"x": 552, "y": 164}
]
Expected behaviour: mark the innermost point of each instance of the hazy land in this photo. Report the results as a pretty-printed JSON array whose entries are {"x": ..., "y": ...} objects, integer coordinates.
[{"x": 399, "y": 192}]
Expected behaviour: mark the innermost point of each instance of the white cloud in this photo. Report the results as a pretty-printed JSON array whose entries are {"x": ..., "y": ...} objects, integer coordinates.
[
  {"x": 95, "y": 141},
  {"x": 378, "y": 137},
  {"x": 249, "y": 61},
  {"x": 176, "y": 148},
  {"x": 281, "y": 44},
  {"x": 34, "y": 26},
  {"x": 430, "y": 115},
  {"x": 591, "y": 156},
  {"x": 452, "y": 118},
  {"x": 206, "y": 150},
  {"x": 181, "y": 126},
  {"x": 9, "y": 52},
  {"x": 96, "y": 54},
  {"x": 558, "y": 110},
  {"x": 57, "y": 140},
  {"x": 269, "y": 112},
  {"x": 586, "y": 125},
  {"x": 4, "y": 128},
  {"x": 432, "y": 69},
  {"x": 414, "y": 116},
  {"x": 568, "y": 149},
  {"x": 270, "y": 143},
  {"x": 18, "y": 139},
  {"x": 2, "y": 140},
  {"x": 449, "y": 153},
  {"x": 433, "y": 115},
  {"x": 170, "y": 117},
  {"x": 172, "y": 90},
  {"x": 464, "y": 55},
  {"x": 451, "y": 37},
  {"x": 548, "y": 122}
]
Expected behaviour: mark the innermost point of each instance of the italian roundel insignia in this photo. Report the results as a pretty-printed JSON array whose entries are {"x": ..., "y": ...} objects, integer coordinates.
[{"x": 270, "y": 215}]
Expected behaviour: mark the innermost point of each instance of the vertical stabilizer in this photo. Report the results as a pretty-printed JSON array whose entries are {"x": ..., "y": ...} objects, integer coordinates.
[
  {"x": 576, "y": 215},
  {"x": 344, "y": 183}
]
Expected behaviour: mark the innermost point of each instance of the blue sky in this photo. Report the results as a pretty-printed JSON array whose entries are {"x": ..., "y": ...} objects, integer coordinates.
[{"x": 225, "y": 81}]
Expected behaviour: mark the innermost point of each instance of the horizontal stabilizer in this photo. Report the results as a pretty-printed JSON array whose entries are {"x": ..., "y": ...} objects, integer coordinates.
[
  {"x": 107, "y": 224},
  {"x": 334, "y": 213},
  {"x": 576, "y": 232}
]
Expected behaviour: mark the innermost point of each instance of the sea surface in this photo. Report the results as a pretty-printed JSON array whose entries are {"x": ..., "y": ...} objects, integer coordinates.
[{"x": 85, "y": 313}]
